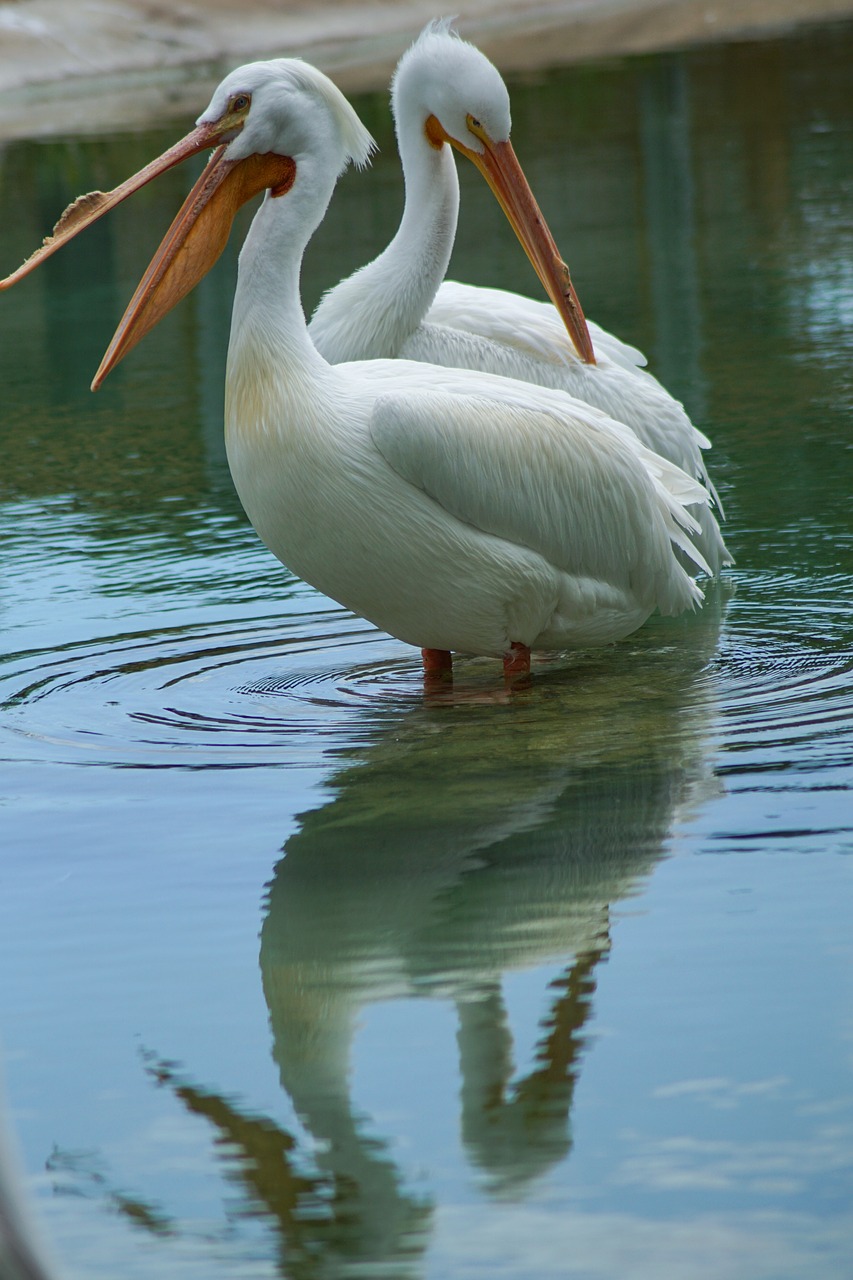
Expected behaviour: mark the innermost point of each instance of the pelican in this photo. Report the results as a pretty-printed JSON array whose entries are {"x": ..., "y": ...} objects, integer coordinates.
[
  {"x": 444, "y": 91},
  {"x": 457, "y": 510}
]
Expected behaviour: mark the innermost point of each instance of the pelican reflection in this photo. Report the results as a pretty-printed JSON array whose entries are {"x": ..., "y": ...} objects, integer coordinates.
[{"x": 462, "y": 844}]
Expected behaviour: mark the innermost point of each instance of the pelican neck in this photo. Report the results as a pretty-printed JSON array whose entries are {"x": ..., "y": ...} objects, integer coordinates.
[
  {"x": 428, "y": 227},
  {"x": 267, "y": 300},
  {"x": 372, "y": 313}
]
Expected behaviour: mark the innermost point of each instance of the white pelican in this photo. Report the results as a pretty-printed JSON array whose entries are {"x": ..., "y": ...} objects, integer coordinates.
[
  {"x": 452, "y": 508},
  {"x": 446, "y": 91}
]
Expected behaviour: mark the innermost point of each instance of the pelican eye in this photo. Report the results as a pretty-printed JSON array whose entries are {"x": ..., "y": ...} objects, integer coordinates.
[
  {"x": 475, "y": 127},
  {"x": 240, "y": 102}
]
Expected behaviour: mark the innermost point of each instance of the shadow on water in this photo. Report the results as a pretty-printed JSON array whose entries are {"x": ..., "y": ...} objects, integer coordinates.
[{"x": 459, "y": 846}]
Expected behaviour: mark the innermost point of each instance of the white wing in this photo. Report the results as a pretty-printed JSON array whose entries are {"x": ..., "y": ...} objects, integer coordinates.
[
  {"x": 579, "y": 490},
  {"x": 516, "y": 321},
  {"x": 504, "y": 333}
]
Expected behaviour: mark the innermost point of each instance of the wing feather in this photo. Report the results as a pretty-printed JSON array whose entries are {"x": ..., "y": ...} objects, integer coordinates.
[
  {"x": 578, "y": 489},
  {"x": 517, "y": 321}
]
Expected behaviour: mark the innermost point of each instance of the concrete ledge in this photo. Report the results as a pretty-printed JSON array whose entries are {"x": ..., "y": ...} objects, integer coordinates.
[{"x": 83, "y": 66}]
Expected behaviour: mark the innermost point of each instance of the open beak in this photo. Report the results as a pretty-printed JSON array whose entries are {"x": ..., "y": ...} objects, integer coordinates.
[
  {"x": 89, "y": 208},
  {"x": 499, "y": 166},
  {"x": 194, "y": 242},
  {"x": 195, "y": 239}
]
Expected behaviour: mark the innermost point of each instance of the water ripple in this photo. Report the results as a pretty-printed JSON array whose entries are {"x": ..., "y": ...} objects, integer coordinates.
[
  {"x": 786, "y": 668},
  {"x": 316, "y": 682},
  {"x": 206, "y": 695}
]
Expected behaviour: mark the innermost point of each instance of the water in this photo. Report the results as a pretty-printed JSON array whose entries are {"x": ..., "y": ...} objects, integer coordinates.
[{"x": 304, "y": 975}]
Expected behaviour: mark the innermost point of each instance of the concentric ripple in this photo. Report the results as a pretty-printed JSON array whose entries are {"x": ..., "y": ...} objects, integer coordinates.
[
  {"x": 774, "y": 666},
  {"x": 786, "y": 678},
  {"x": 244, "y": 693}
]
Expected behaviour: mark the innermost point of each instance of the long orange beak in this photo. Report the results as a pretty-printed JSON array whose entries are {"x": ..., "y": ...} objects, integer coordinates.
[
  {"x": 194, "y": 242},
  {"x": 195, "y": 239},
  {"x": 500, "y": 167},
  {"x": 89, "y": 208}
]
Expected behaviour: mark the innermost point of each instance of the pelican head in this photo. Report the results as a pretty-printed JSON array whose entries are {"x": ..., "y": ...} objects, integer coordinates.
[
  {"x": 273, "y": 119},
  {"x": 285, "y": 106},
  {"x": 448, "y": 89},
  {"x": 447, "y": 81}
]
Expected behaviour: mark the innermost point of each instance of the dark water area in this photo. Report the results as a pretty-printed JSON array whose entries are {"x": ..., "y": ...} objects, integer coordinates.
[{"x": 304, "y": 974}]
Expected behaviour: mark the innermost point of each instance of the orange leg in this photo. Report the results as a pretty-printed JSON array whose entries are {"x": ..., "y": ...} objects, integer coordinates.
[
  {"x": 438, "y": 664},
  {"x": 517, "y": 661}
]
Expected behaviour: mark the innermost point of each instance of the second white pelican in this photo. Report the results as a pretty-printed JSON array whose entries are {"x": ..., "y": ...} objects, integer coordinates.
[
  {"x": 445, "y": 91},
  {"x": 454, "y": 509}
]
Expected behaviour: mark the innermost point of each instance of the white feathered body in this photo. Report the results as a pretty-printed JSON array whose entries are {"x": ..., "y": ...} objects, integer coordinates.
[
  {"x": 397, "y": 307},
  {"x": 454, "y": 509}
]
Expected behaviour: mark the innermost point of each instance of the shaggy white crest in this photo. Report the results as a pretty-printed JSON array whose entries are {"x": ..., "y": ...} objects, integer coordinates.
[
  {"x": 275, "y": 121},
  {"x": 445, "y": 76}
]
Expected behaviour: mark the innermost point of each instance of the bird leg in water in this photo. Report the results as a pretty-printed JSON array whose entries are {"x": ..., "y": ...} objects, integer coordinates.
[
  {"x": 517, "y": 661},
  {"x": 438, "y": 663}
]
